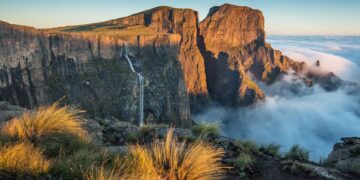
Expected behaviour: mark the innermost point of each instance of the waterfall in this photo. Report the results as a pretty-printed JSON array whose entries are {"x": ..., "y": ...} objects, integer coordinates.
[{"x": 141, "y": 86}]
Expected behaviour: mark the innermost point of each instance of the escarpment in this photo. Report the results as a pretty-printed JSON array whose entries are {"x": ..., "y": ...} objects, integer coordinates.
[
  {"x": 186, "y": 65},
  {"x": 89, "y": 70}
]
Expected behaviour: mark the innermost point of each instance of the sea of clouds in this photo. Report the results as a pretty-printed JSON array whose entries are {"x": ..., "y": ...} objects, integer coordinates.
[{"x": 295, "y": 114}]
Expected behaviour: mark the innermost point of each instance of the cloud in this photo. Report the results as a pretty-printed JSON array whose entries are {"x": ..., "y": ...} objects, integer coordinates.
[
  {"x": 342, "y": 67},
  {"x": 295, "y": 114},
  {"x": 311, "y": 117}
]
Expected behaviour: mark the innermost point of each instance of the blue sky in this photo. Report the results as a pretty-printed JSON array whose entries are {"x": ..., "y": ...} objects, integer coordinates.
[{"x": 285, "y": 17}]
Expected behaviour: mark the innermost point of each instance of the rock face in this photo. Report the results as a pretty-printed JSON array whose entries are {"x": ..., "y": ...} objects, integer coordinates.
[
  {"x": 8, "y": 111},
  {"x": 346, "y": 155},
  {"x": 40, "y": 67},
  {"x": 186, "y": 65},
  {"x": 234, "y": 47},
  {"x": 183, "y": 22}
]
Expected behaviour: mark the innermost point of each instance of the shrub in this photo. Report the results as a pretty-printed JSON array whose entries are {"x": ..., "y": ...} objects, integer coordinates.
[
  {"x": 298, "y": 153},
  {"x": 206, "y": 130},
  {"x": 23, "y": 158},
  {"x": 53, "y": 128},
  {"x": 271, "y": 149},
  {"x": 167, "y": 159},
  {"x": 242, "y": 162}
]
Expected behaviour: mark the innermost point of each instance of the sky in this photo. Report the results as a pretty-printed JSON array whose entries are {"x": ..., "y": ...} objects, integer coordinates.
[{"x": 282, "y": 17}]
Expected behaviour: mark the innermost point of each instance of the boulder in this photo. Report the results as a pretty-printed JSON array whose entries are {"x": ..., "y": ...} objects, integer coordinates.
[
  {"x": 345, "y": 155},
  {"x": 8, "y": 111}
]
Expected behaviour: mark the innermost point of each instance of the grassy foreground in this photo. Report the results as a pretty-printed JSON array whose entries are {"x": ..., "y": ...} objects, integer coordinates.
[{"x": 51, "y": 143}]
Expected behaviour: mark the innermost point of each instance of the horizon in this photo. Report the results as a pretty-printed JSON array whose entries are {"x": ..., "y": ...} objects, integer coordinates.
[{"x": 281, "y": 17}]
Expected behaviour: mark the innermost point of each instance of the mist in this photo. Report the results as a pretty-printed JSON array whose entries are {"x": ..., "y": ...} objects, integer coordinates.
[{"x": 295, "y": 114}]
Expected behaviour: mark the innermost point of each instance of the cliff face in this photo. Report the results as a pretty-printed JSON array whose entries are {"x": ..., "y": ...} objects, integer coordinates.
[
  {"x": 183, "y": 22},
  {"x": 234, "y": 47},
  {"x": 185, "y": 64},
  {"x": 40, "y": 67}
]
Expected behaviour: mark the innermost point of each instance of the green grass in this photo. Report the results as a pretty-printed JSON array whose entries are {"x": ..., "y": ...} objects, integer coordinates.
[
  {"x": 117, "y": 30},
  {"x": 205, "y": 130},
  {"x": 271, "y": 149},
  {"x": 243, "y": 162},
  {"x": 297, "y": 153},
  {"x": 75, "y": 165},
  {"x": 247, "y": 146},
  {"x": 143, "y": 132}
]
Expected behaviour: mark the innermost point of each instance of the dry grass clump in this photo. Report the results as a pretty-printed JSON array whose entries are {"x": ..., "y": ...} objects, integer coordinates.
[
  {"x": 168, "y": 159},
  {"x": 44, "y": 121},
  {"x": 23, "y": 158},
  {"x": 114, "y": 170},
  {"x": 101, "y": 173}
]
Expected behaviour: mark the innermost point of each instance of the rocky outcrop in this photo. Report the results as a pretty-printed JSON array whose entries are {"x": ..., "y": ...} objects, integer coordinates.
[
  {"x": 345, "y": 155},
  {"x": 234, "y": 47}
]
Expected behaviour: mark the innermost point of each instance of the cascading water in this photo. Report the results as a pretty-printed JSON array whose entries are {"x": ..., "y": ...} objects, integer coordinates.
[{"x": 141, "y": 86}]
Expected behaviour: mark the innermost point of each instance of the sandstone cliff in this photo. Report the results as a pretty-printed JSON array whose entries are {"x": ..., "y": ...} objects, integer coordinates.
[
  {"x": 234, "y": 47},
  {"x": 40, "y": 67}
]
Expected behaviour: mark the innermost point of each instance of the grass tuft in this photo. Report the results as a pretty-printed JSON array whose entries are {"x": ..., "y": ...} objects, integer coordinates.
[
  {"x": 271, "y": 149},
  {"x": 297, "y": 153},
  {"x": 247, "y": 146},
  {"x": 100, "y": 173},
  {"x": 168, "y": 159},
  {"x": 205, "y": 130},
  {"x": 23, "y": 158},
  {"x": 243, "y": 162},
  {"x": 45, "y": 121},
  {"x": 73, "y": 166},
  {"x": 52, "y": 128}
]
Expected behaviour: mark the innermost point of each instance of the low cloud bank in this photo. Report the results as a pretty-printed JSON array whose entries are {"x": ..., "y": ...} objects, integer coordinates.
[
  {"x": 295, "y": 114},
  {"x": 313, "y": 118}
]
